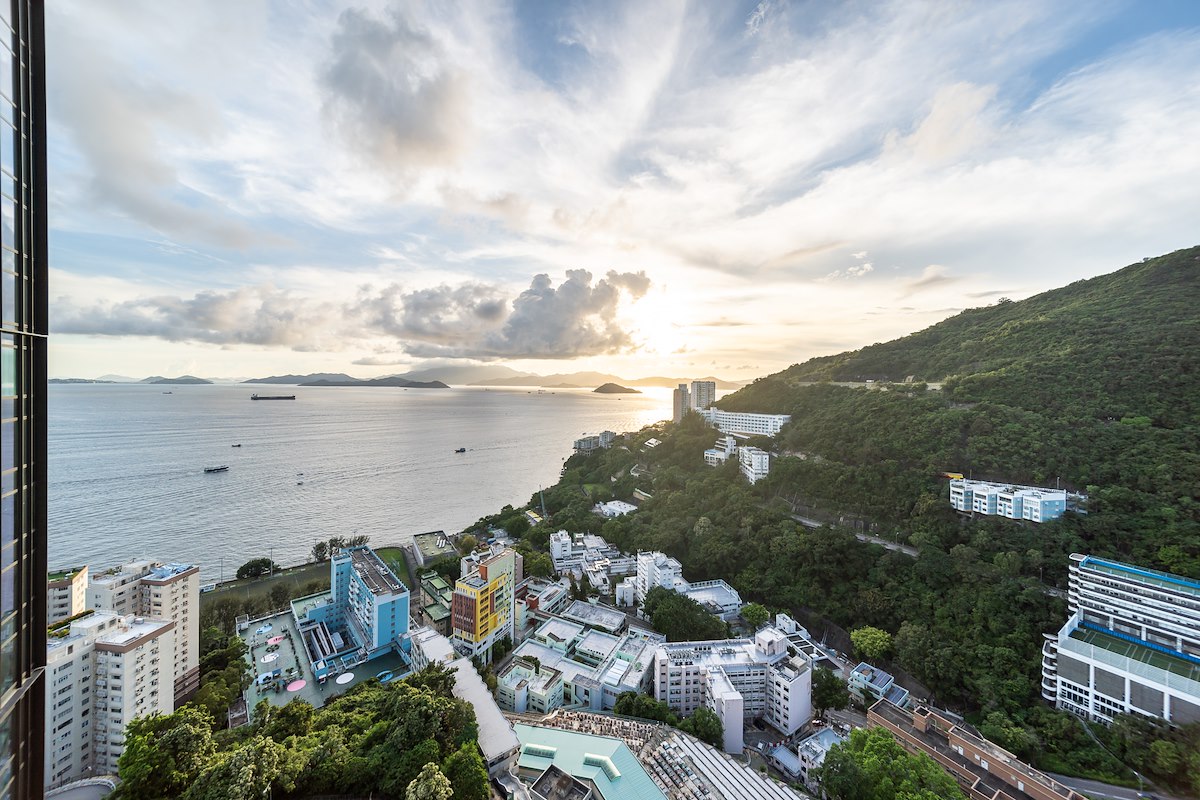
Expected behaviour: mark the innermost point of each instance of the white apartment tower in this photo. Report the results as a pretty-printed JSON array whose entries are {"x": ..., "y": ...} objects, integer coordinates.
[
  {"x": 704, "y": 393},
  {"x": 657, "y": 569},
  {"x": 681, "y": 402},
  {"x": 1132, "y": 644},
  {"x": 66, "y": 593},
  {"x": 755, "y": 463},
  {"x": 739, "y": 679},
  {"x": 158, "y": 590},
  {"x": 102, "y": 671}
]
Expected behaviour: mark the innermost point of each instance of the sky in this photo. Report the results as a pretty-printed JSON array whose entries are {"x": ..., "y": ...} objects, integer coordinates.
[{"x": 241, "y": 188}]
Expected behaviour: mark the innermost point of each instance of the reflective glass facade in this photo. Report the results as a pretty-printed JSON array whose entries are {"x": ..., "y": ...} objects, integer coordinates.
[{"x": 23, "y": 275}]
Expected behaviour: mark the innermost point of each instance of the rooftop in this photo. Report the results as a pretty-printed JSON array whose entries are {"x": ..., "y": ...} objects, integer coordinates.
[
  {"x": 873, "y": 676},
  {"x": 594, "y": 616},
  {"x": 373, "y": 572},
  {"x": 428, "y": 544},
  {"x": 302, "y": 605},
  {"x": 1176, "y": 665},
  {"x": 606, "y": 762},
  {"x": 64, "y": 574},
  {"x": 1150, "y": 577},
  {"x": 496, "y": 736}
]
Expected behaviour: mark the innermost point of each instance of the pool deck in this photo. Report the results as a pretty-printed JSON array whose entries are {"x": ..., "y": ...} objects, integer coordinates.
[{"x": 292, "y": 656}]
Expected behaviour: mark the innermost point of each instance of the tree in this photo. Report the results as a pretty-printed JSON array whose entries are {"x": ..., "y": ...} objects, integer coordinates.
[
  {"x": 538, "y": 565},
  {"x": 467, "y": 773},
  {"x": 256, "y": 568},
  {"x": 633, "y": 704},
  {"x": 164, "y": 754},
  {"x": 680, "y": 618},
  {"x": 871, "y": 765},
  {"x": 828, "y": 692},
  {"x": 431, "y": 784},
  {"x": 280, "y": 595},
  {"x": 871, "y": 643},
  {"x": 467, "y": 543},
  {"x": 320, "y": 551},
  {"x": 755, "y": 615},
  {"x": 705, "y": 725}
]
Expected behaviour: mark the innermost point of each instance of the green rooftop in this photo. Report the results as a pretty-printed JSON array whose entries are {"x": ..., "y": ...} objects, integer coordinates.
[
  {"x": 607, "y": 763},
  {"x": 63, "y": 574},
  {"x": 1136, "y": 652}
]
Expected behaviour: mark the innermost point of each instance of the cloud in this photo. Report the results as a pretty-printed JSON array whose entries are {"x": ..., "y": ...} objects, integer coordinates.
[
  {"x": 932, "y": 276},
  {"x": 573, "y": 320},
  {"x": 992, "y": 293},
  {"x": 392, "y": 93},
  {"x": 381, "y": 361},
  {"x": 125, "y": 126},
  {"x": 473, "y": 320}
]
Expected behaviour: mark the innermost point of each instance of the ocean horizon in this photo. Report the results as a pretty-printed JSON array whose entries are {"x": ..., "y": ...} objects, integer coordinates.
[{"x": 127, "y": 480}]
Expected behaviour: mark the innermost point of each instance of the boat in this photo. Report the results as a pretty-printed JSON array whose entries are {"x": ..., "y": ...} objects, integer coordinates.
[
  {"x": 461, "y": 450},
  {"x": 221, "y": 468},
  {"x": 168, "y": 393},
  {"x": 299, "y": 483},
  {"x": 272, "y": 397},
  {"x": 235, "y": 445}
]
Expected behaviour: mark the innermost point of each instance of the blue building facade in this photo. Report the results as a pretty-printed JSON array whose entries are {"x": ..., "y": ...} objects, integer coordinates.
[{"x": 364, "y": 615}]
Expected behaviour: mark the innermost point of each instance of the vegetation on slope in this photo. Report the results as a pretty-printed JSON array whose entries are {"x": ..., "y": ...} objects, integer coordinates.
[{"x": 375, "y": 739}]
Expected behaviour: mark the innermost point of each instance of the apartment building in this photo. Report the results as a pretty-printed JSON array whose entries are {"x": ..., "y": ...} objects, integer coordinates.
[
  {"x": 681, "y": 403},
  {"x": 1007, "y": 500},
  {"x": 594, "y": 441},
  {"x": 704, "y": 393},
  {"x": 102, "y": 670},
  {"x": 483, "y": 608},
  {"x": 870, "y": 683},
  {"x": 745, "y": 423},
  {"x": 739, "y": 679},
  {"x": 66, "y": 593},
  {"x": 656, "y": 569},
  {"x": 437, "y": 595},
  {"x": 1131, "y": 645},
  {"x": 161, "y": 591},
  {"x": 754, "y": 463},
  {"x": 721, "y": 452},
  {"x": 983, "y": 770}
]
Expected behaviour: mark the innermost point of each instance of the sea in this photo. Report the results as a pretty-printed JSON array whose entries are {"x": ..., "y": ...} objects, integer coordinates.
[{"x": 127, "y": 480}]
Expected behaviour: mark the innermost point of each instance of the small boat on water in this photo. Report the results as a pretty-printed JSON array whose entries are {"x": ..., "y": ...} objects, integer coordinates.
[
  {"x": 273, "y": 397},
  {"x": 235, "y": 445},
  {"x": 168, "y": 393},
  {"x": 221, "y": 468},
  {"x": 461, "y": 450}
]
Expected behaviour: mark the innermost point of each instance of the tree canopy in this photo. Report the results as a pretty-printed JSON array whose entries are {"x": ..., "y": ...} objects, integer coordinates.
[{"x": 870, "y": 765}]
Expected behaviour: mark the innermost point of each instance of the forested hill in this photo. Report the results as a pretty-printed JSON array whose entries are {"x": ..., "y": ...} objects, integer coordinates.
[
  {"x": 1096, "y": 384},
  {"x": 1120, "y": 345}
]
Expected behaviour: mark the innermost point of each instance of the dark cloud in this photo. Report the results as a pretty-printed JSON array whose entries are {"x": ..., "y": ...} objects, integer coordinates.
[
  {"x": 577, "y": 318},
  {"x": 392, "y": 93}
]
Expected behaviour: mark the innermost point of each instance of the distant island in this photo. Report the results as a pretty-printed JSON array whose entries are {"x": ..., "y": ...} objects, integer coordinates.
[
  {"x": 77, "y": 380},
  {"x": 303, "y": 380},
  {"x": 393, "y": 382},
  {"x": 612, "y": 388},
  {"x": 181, "y": 380}
]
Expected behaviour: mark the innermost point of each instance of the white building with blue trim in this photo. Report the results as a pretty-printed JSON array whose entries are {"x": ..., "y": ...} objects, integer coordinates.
[{"x": 1007, "y": 500}]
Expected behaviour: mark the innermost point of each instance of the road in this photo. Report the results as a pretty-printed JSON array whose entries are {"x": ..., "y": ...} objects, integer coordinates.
[
  {"x": 1102, "y": 791},
  {"x": 863, "y": 537}
]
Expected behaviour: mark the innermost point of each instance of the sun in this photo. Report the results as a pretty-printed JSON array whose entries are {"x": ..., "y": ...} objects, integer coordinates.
[{"x": 652, "y": 323}]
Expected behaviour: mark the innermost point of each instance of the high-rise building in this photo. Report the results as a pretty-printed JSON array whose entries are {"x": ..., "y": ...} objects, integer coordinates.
[
  {"x": 158, "y": 590},
  {"x": 23, "y": 293},
  {"x": 483, "y": 608},
  {"x": 1131, "y": 646},
  {"x": 103, "y": 670},
  {"x": 681, "y": 402},
  {"x": 703, "y": 394},
  {"x": 67, "y": 593}
]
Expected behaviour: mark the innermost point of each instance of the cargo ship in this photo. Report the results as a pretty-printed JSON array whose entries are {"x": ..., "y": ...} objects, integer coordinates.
[{"x": 273, "y": 397}]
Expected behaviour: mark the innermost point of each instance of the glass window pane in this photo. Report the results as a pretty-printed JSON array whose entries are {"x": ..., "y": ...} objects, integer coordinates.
[
  {"x": 8, "y": 298},
  {"x": 7, "y": 136},
  {"x": 8, "y": 367}
]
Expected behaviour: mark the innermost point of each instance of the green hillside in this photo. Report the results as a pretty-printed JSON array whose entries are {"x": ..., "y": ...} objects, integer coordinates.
[
  {"x": 1094, "y": 385},
  {"x": 1117, "y": 345}
]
